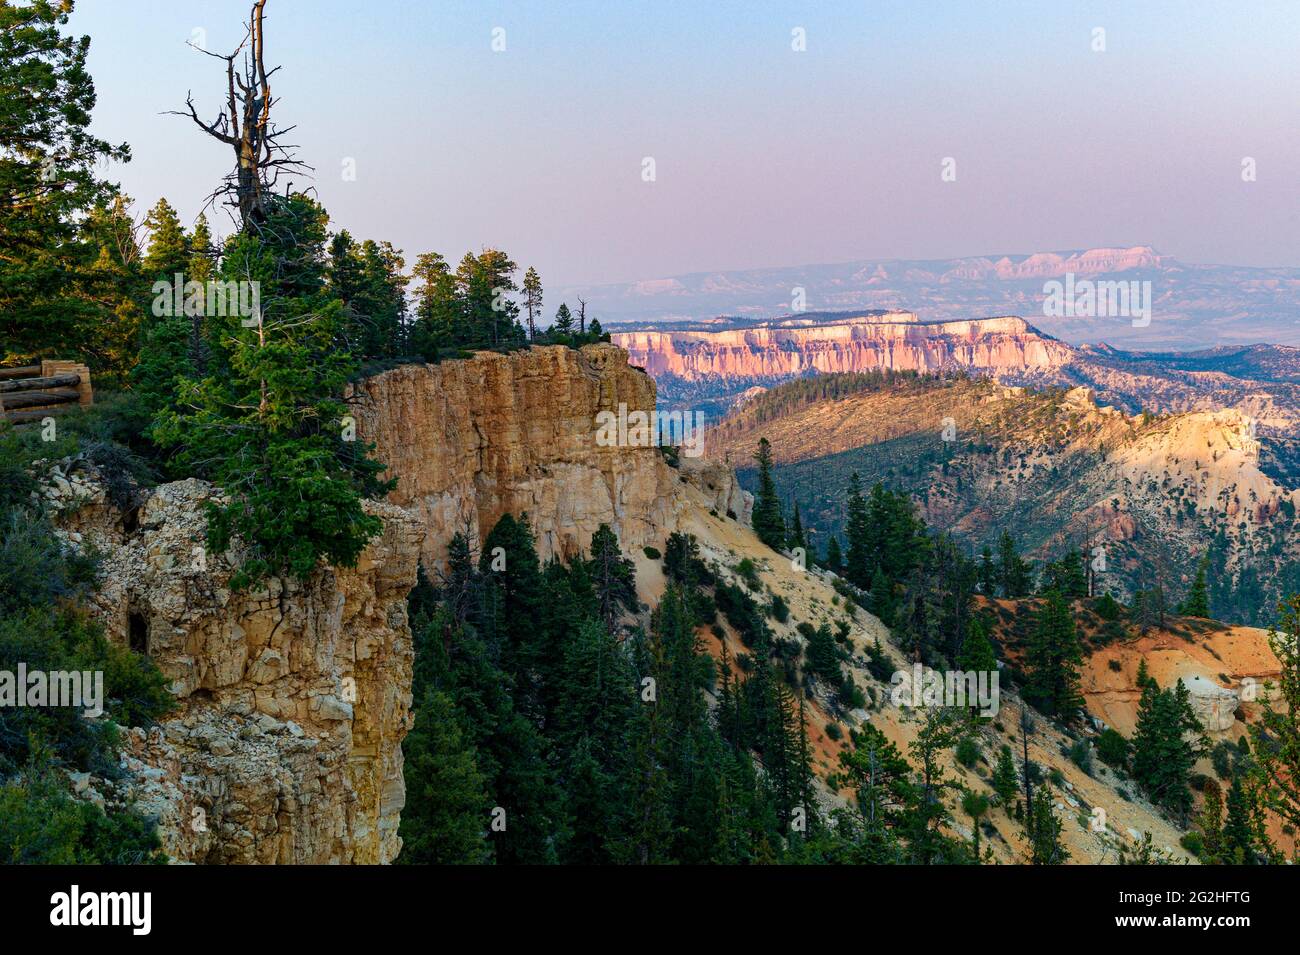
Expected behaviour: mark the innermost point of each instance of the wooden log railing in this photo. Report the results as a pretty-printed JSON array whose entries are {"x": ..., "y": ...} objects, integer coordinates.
[{"x": 33, "y": 392}]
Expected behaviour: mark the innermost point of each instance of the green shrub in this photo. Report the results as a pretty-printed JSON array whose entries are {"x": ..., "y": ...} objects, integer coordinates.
[
  {"x": 652, "y": 553},
  {"x": 1193, "y": 842},
  {"x": 747, "y": 571},
  {"x": 1081, "y": 755},
  {"x": 1107, "y": 607},
  {"x": 968, "y": 752},
  {"x": 833, "y": 731},
  {"x": 1112, "y": 748},
  {"x": 1221, "y": 758},
  {"x": 851, "y": 695}
]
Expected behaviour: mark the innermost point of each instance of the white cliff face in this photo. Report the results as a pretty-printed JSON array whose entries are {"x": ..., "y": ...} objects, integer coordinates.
[
  {"x": 1213, "y": 705},
  {"x": 293, "y": 699},
  {"x": 897, "y": 342}
]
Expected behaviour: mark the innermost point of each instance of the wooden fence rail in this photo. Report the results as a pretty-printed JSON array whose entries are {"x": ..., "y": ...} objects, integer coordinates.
[{"x": 33, "y": 392}]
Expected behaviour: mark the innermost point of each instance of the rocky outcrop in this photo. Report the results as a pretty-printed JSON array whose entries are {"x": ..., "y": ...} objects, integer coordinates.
[
  {"x": 897, "y": 341},
  {"x": 722, "y": 491},
  {"x": 1213, "y": 705},
  {"x": 471, "y": 440},
  {"x": 293, "y": 700}
]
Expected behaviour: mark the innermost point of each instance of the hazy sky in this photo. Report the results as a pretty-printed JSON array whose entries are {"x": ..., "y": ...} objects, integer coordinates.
[{"x": 764, "y": 156}]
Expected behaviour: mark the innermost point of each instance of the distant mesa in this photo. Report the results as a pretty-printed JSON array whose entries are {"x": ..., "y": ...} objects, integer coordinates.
[
  {"x": 1194, "y": 305},
  {"x": 769, "y": 352}
]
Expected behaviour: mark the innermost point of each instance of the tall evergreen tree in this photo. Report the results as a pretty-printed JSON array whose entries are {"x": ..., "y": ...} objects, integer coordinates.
[
  {"x": 613, "y": 576},
  {"x": 1006, "y": 782},
  {"x": 797, "y": 538},
  {"x": 768, "y": 522},
  {"x": 1197, "y": 603},
  {"x": 49, "y": 185},
  {"x": 1243, "y": 829},
  {"x": 484, "y": 282},
  {"x": 532, "y": 300},
  {"x": 1053, "y": 660},
  {"x": 1013, "y": 571},
  {"x": 168, "y": 251},
  {"x": 267, "y": 422},
  {"x": 439, "y": 319},
  {"x": 1166, "y": 745},
  {"x": 563, "y": 320},
  {"x": 858, "y": 560},
  {"x": 447, "y": 807},
  {"x": 988, "y": 573},
  {"x": 1045, "y": 846},
  {"x": 834, "y": 559}
]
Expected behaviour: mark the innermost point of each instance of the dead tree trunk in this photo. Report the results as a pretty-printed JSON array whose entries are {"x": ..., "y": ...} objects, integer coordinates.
[{"x": 244, "y": 124}]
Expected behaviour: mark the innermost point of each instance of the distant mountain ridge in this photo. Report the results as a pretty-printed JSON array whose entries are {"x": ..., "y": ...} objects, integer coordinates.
[{"x": 1193, "y": 306}]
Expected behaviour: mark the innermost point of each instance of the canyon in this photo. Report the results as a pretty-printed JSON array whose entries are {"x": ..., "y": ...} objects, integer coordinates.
[
  {"x": 716, "y": 369},
  {"x": 293, "y": 698},
  {"x": 1059, "y": 469}
]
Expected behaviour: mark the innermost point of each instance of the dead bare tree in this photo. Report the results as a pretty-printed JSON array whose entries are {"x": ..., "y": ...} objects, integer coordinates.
[
  {"x": 582, "y": 316},
  {"x": 245, "y": 125}
]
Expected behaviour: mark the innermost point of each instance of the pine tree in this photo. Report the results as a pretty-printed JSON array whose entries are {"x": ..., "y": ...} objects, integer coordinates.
[
  {"x": 797, "y": 538},
  {"x": 1198, "y": 598},
  {"x": 114, "y": 284},
  {"x": 988, "y": 573},
  {"x": 1068, "y": 576},
  {"x": 1166, "y": 745},
  {"x": 50, "y": 188},
  {"x": 976, "y": 656},
  {"x": 1006, "y": 782},
  {"x": 834, "y": 560},
  {"x": 878, "y": 774},
  {"x": 939, "y": 731},
  {"x": 768, "y": 522},
  {"x": 1045, "y": 833},
  {"x": 613, "y": 576},
  {"x": 168, "y": 349},
  {"x": 975, "y": 805},
  {"x": 824, "y": 657},
  {"x": 202, "y": 268},
  {"x": 266, "y": 424},
  {"x": 563, "y": 320},
  {"x": 1276, "y": 734},
  {"x": 858, "y": 560},
  {"x": 439, "y": 317},
  {"x": 446, "y": 797},
  {"x": 482, "y": 284},
  {"x": 532, "y": 300},
  {"x": 1243, "y": 829},
  {"x": 881, "y": 601},
  {"x": 168, "y": 251},
  {"x": 977, "y": 651},
  {"x": 1053, "y": 660},
  {"x": 1209, "y": 822},
  {"x": 1013, "y": 572}
]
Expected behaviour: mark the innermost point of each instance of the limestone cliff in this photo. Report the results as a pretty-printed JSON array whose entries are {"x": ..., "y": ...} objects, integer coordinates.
[
  {"x": 892, "y": 341},
  {"x": 293, "y": 700},
  {"x": 469, "y": 441}
]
